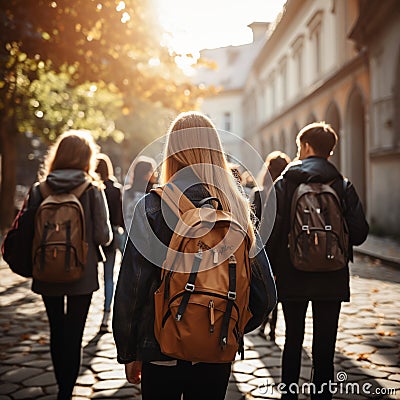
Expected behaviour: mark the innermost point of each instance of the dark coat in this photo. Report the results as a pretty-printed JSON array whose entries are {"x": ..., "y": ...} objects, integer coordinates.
[
  {"x": 293, "y": 284},
  {"x": 98, "y": 231},
  {"x": 139, "y": 277},
  {"x": 113, "y": 195}
]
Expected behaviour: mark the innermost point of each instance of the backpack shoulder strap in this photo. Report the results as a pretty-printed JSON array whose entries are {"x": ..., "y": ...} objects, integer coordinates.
[
  {"x": 174, "y": 198},
  {"x": 79, "y": 190},
  {"x": 45, "y": 189}
]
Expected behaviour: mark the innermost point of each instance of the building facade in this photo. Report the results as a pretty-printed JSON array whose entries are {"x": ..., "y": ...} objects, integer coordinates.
[
  {"x": 337, "y": 61},
  {"x": 231, "y": 67}
]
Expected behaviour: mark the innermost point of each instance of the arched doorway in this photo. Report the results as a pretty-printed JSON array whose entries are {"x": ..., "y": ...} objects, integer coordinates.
[
  {"x": 332, "y": 117},
  {"x": 355, "y": 143}
]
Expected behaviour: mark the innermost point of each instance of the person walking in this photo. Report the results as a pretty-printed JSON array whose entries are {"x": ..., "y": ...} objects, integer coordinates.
[
  {"x": 275, "y": 164},
  {"x": 114, "y": 201},
  {"x": 299, "y": 278},
  {"x": 194, "y": 163},
  {"x": 144, "y": 177},
  {"x": 69, "y": 163}
]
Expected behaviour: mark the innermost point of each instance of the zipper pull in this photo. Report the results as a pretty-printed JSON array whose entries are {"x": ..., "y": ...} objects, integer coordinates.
[
  {"x": 55, "y": 252},
  {"x": 211, "y": 315},
  {"x": 57, "y": 227},
  {"x": 315, "y": 239},
  {"x": 215, "y": 260}
]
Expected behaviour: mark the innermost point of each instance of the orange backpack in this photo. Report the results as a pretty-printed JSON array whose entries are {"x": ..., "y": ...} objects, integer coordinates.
[
  {"x": 59, "y": 243},
  {"x": 202, "y": 304}
]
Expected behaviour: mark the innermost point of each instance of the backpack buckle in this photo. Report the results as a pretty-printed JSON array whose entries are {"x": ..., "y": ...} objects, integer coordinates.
[
  {"x": 231, "y": 295},
  {"x": 199, "y": 254},
  {"x": 304, "y": 228},
  {"x": 328, "y": 227},
  {"x": 189, "y": 287}
]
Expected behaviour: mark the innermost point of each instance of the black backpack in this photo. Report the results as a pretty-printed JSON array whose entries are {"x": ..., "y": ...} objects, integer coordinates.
[{"x": 318, "y": 237}]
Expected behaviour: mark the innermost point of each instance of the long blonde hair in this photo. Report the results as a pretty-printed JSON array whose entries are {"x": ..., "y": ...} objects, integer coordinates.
[
  {"x": 193, "y": 141},
  {"x": 74, "y": 149}
]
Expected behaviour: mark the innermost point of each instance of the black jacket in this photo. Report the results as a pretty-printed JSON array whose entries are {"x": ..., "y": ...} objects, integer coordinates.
[
  {"x": 113, "y": 195},
  {"x": 139, "y": 277},
  {"x": 293, "y": 284}
]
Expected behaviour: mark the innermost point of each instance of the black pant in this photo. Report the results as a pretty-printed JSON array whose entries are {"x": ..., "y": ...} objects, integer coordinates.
[
  {"x": 325, "y": 323},
  {"x": 196, "y": 382},
  {"x": 66, "y": 331}
]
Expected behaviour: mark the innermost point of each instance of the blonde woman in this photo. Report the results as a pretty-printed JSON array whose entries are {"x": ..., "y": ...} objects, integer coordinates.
[
  {"x": 69, "y": 163},
  {"x": 194, "y": 161}
]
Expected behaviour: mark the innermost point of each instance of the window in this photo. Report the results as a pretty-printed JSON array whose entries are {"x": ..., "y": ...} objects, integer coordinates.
[
  {"x": 283, "y": 68},
  {"x": 297, "y": 48},
  {"x": 314, "y": 26}
]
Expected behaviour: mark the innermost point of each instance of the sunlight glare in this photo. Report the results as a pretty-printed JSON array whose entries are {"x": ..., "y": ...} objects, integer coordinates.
[
  {"x": 120, "y": 6},
  {"x": 191, "y": 25}
]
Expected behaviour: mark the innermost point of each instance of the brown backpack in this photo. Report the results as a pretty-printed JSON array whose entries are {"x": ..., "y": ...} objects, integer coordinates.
[
  {"x": 318, "y": 238},
  {"x": 201, "y": 306},
  {"x": 59, "y": 244}
]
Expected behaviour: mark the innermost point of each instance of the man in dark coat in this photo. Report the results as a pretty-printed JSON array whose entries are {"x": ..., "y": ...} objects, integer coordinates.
[{"x": 325, "y": 290}]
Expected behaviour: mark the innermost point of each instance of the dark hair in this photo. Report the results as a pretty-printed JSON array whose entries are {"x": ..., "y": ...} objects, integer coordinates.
[
  {"x": 74, "y": 149},
  {"x": 320, "y": 136},
  {"x": 275, "y": 162},
  {"x": 104, "y": 167}
]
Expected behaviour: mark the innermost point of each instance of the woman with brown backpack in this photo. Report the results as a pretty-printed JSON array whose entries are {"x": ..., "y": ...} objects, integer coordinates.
[
  {"x": 69, "y": 165},
  {"x": 185, "y": 296}
]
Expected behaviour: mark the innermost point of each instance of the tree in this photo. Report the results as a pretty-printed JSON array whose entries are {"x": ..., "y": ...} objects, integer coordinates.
[{"x": 109, "y": 42}]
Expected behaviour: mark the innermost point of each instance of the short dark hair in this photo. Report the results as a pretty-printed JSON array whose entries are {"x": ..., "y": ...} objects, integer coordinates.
[{"x": 320, "y": 136}]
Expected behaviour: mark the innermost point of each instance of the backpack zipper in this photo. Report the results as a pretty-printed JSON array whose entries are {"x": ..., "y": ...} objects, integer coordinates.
[{"x": 211, "y": 315}]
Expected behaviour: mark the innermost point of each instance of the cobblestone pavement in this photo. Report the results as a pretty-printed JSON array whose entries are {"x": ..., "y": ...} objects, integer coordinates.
[{"x": 368, "y": 346}]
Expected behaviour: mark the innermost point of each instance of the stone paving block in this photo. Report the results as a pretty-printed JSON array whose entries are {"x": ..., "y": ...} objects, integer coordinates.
[
  {"x": 109, "y": 384},
  {"x": 19, "y": 375},
  {"x": 82, "y": 391},
  {"x": 359, "y": 349},
  {"x": 243, "y": 378},
  {"x": 271, "y": 361},
  {"x": 7, "y": 388},
  {"x": 262, "y": 373},
  {"x": 251, "y": 354},
  {"x": 49, "y": 397},
  {"x": 258, "y": 363},
  {"x": 45, "y": 379},
  {"x": 112, "y": 353},
  {"x": 394, "y": 377},
  {"x": 368, "y": 372},
  {"x": 53, "y": 389},
  {"x": 37, "y": 363},
  {"x": 245, "y": 387},
  {"x": 243, "y": 367},
  {"x": 16, "y": 360},
  {"x": 28, "y": 393},
  {"x": 101, "y": 367},
  {"x": 264, "y": 393},
  {"x": 115, "y": 374},
  {"x": 125, "y": 392},
  {"x": 86, "y": 379},
  {"x": 384, "y": 359},
  {"x": 233, "y": 395}
]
